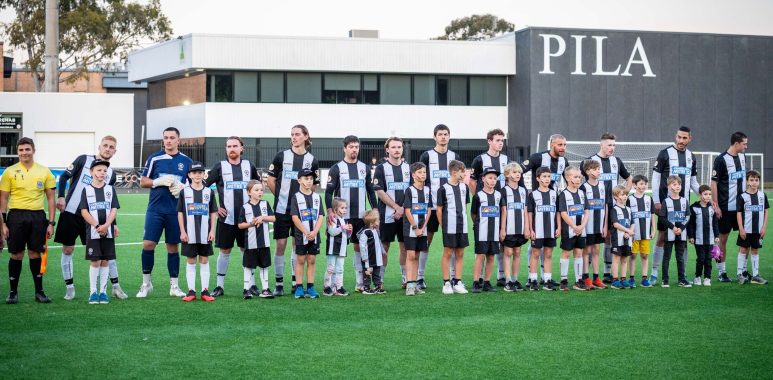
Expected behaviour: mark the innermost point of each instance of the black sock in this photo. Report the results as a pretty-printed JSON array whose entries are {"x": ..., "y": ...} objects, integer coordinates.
[
  {"x": 633, "y": 278},
  {"x": 309, "y": 285},
  {"x": 280, "y": 280},
  {"x": 643, "y": 277},
  {"x": 445, "y": 280},
  {"x": 36, "y": 276},
  {"x": 14, "y": 271},
  {"x": 584, "y": 276},
  {"x": 293, "y": 279},
  {"x": 114, "y": 280},
  {"x": 595, "y": 276},
  {"x": 68, "y": 281}
]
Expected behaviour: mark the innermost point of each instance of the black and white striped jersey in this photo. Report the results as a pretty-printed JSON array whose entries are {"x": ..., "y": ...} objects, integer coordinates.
[
  {"x": 308, "y": 208},
  {"x": 370, "y": 247},
  {"x": 612, "y": 168},
  {"x": 676, "y": 213},
  {"x": 256, "y": 236},
  {"x": 486, "y": 209},
  {"x": 515, "y": 210},
  {"x": 729, "y": 173},
  {"x": 337, "y": 238},
  {"x": 753, "y": 208},
  {"x": 573, "y": 204},
  {"x": 486, "y": 160},
  {"x": 393, "y": 180},
  {"x": 285, "y": 168},
  {"x": 621, "y": 215},
  {"x": 557, "y": 166},
  {"x": 419, "y": 203},
  {"x": 437, "y": 169},
  {"x": 671, "y": 161},
  {"x": 79, "y": 176},
  {"x": 351, "y": 182},
  {"x": 99, "y": 202},
  {"x": 454, "y": 200},
  {"x": 543, "y": 208},
  {"x": 642, "y": 210},
  {"x": 231, "y": 181},
  {"x": 596, "y": 203},
  {"x": 196, "y": 206},
  {"x": 703, "y": 225}
]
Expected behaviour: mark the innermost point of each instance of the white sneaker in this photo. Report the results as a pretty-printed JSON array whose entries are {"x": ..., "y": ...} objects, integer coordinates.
[
  {"x": 706, "y": 281},
  {"x": 459, "y": 288},
  {"x": 175, "y": 291},
  {"x": 447, "y": 289},
  {"x": 697, "y": 281},
  {"x": 145, "y": 289},
  {"x": 119, "y": 293},
  {"x": 70, "y": 292}
]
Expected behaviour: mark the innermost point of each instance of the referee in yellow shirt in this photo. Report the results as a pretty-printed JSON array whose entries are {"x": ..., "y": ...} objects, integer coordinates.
[{"x": 26, "y": 225}]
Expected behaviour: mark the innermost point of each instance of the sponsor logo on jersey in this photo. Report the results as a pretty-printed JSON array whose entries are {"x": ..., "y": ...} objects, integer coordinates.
[
  {"x": 397, "y": 185},
  {"x": 640, "y": 215},
  {"x": 546, "y": 208},
  {"x": 93, "y": 206},
  {"x": 235, "y": 185},
  {"x": 198, "y": 209},
  {"x": 575, "y": 210},
  {"x": 353, "y": 183},
  {"x": 680, "y": 170}
]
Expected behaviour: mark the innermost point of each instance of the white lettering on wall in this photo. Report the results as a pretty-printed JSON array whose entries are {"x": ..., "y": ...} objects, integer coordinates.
[
  {"x": 638, "y": 56},
  {"x": 548, "y": 54}
]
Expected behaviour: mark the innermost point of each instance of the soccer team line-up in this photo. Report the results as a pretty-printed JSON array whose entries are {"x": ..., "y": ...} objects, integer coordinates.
[{"x": 600, "y": 203}]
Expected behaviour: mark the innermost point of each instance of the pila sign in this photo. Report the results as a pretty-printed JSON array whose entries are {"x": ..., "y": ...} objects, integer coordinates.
[{"x": 554, "y": 46}]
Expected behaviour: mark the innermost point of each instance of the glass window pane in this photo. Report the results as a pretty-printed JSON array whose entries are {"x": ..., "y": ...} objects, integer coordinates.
[
  {"x": 395, "y": 89},
  {"x": 349, "y": 82},
  {"x": 220, "y": 87},
  {"x": 443, "y": 90},
  {"x": 272, "y": 87},
  {"x": 370, "y": 82},
  {"x": 458, "y": 91},
  {"x": 424, "y": 89},
  {"x": 245, "y": 87},
  {"x": 488, "y": 91},
  {"x": 304, "y": 88}
]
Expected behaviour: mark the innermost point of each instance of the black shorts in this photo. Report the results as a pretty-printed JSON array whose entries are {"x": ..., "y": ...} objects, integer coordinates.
[
  {"x": 283, "y": 227},
  {"x": 487, "y": 247},
  {"x": 662, "y": 223},
  {"x": 418, "y": 244},
  {"x": 624, "y": 251},
  {"x": 389, "y": 231},
  {"x": 69, "y": 227},
  {"x": 514, "y": 241},
  {"x": 26, "y": 230},
  {"x": 543, "y": 243},
  {"x": 225, "y": 234},
  {"x": 752, "y": 241},
  {"x": 100, "y": 249},
  {"x": 570, "y": 244},
  {"x": 258, "y": 257},
  {"x": 193, "y": 250},
  {"x": 311, "y": 248},
  {"x": 357, "y": 225},
  {"x": 433, "y": 225},
  {"x": 593, "y": 239},
  {"x": 728, "y": 222},
  {"x": 455, "y": 240}
]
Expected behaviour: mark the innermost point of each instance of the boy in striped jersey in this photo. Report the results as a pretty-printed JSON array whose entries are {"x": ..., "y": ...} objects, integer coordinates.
[
  {"x": 308, "y": 216},
  {"x": 197, "y": 214},
  {"x": 452, "y": 200},
  {"x": 545, "y": 229},
  {"x": 596, "y": 229},
  {"x": 642, "y": 209},
  {"x": 514, "y": 227},
  {"x": 620, "y": 237},
  {"x": 752, "y": 223},
  {"x": 486, "y": 210},
  {"x": 254, "y": 217},
  {"x": 417, "y": 202},
  {"x": 574, "y": 217},
  {"x": 98, "y": 206},
  {"x": 703, "y": 232},
  {"x": 675, "y": 214},
  {"x": 372, "y": 253},
  {"x": 338, "y": 234}
]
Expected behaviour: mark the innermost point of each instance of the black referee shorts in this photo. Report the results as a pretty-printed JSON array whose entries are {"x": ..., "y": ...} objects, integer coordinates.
[
  {"x": 69, "y": 227},
  {"x": 26, "y": 230}
]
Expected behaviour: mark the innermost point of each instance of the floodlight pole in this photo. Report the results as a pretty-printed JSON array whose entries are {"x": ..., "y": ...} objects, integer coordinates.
[{"x": 52, "y": 46}]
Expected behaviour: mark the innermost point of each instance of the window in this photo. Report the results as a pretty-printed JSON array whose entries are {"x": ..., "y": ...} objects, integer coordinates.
[
  {"x": 304, "y": 88},
  {"x": 458, "y": 87},
  {"x": 370, "y": 89},
  {"x": 245, "y": 87},
  {"x": 220, "y": 87},
  {"x": 272, "y": 87},
  {"x": 488, "y": 91},
  {"x": 395, "y": 89},
  {"x": 424, "y": 89},
  {"x": 342, "y": 89}
]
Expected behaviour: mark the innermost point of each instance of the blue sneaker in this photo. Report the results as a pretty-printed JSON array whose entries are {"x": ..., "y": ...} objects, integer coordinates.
[
  {"x": 626, "y": 284},
  {"x": 631, "y": 283},
  {"x": 645, "y": 283},
  {"x": 93, "y": 299},
  {"x": 103, "y": 298},
  {"x": 299, "y": 292},
  {"x": 312, "y": 293},
  {"x": 653, "y": 280},
  {"x": 616, "y": 284}
]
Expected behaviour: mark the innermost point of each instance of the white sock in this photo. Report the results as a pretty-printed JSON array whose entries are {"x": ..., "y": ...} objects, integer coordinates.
[
  {"x": 113, "y": 267},
  {"x": 173, "y": 282},
  {"x": 264, "y": 278},
  {"x": 146, "y": 278},
  {"x": 190, "y": 275},
  {"x": 532, "y": 276},
  {"x": 607, "y": 259},
  {"x": 741, "y": 262},
  {"x": 247, "y": 275},
  {"x": 564, "y": 268},
  {"x": 452, "y": 266},
  {"x": 547, "y": 276},
  {"x": 657, "y": 259},
  {"x": 103, "y": 272},
  {"x": 721, "y": 268},
  {"x": 578, "y": 268},
  {"x": 358, "y": 269},
  {"x": 293, "y": 260},
  {"x": 382, "y": 270},
  {"x": 252, "y": 278},
  {"x": 93, "y": 275},
  {"x": 542, "y": 262},
  {"x": 501, "y": 266},
  {"x": 279, "y": 267},
  {"x": 222, "y": 267},
  {"x": 402, "y": 272},
  {"x": 755, "y": 265},
  {"x": 204, "y": 273},
  {"x": 66, "y": 266},
  {"x": 423, "y": 255}
]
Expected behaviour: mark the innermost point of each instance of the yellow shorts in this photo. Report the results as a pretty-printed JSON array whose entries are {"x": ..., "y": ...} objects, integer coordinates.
[{"x": 641, "y": 247}]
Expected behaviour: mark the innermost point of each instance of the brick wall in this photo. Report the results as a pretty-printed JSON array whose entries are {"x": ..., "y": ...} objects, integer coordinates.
[{"x": 178, "y": 91}]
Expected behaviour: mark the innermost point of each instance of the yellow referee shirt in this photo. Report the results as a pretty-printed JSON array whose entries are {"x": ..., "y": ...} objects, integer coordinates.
[{"x": 27, "y": 187}]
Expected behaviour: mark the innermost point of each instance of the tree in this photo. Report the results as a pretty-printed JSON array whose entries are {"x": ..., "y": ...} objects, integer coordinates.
[
  {"x": 90, "y": 32},
  {"x": 476, "y": 27}
]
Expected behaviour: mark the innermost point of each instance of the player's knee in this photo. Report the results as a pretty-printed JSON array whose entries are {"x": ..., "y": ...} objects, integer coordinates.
[
  {"x": 148, "y": 245},
  {"x": 67, "y": 250}
]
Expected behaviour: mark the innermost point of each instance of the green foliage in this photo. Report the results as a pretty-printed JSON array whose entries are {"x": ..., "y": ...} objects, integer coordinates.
[{"x": 476, "y": 27}]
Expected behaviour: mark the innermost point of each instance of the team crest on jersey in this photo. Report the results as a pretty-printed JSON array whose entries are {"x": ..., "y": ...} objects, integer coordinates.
[
  {"x": 40, "y": 184},
  {"x": 71, "y": 167},
  {"x": 362, "y": 172},
  {"x": 205, "y": 197},
  {"x": 552, "y": 198},
  {"x": 613, "y": 165},
  {"x": 316, "y": 203},
  {"x": 526, "y": 163},
  {"x": 180, "y": 166},
  {"x": 375, "y": 181},
  {"x": 91, "y": 251},
  {"x": 271, "y": 167},
  {"x": 307, "y": 165},
  {"x": 107, "y": 194},
  {"x": 246, "y": 173}
]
